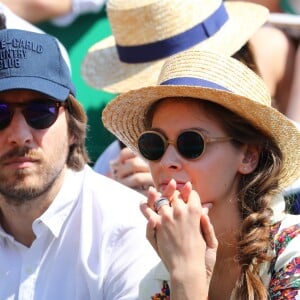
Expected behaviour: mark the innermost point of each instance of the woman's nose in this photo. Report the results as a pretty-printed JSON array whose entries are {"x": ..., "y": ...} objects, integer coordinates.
[{"x": 171, "y": 158}]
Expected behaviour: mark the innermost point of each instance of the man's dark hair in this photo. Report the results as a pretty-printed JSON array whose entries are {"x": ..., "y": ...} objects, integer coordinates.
[{"x": 2, "y": 21}]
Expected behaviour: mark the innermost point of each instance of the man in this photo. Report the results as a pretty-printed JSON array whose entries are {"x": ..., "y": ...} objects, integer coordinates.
[{"x": 65, "y": 231}]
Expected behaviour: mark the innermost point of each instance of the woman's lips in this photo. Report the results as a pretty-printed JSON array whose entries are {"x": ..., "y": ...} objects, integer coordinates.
[{"x": 179, "y": 184}]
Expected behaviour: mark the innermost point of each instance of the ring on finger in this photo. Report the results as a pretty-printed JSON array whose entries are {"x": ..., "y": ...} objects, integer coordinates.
[{"x": 160, "y": 202}]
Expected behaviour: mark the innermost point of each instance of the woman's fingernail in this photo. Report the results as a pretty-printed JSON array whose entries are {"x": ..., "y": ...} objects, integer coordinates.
[
  {"x": 151, "y": 189},
  {"x": 206, "y": 207}
]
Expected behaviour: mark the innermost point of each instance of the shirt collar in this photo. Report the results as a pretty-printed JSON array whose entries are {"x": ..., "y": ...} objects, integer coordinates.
[{"x": 59, "y": 210}]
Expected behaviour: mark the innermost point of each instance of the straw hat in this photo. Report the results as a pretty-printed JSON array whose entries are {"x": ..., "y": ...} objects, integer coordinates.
[
  {"x": 217, "y": 78},
  {"x": 146, "y": 32}
]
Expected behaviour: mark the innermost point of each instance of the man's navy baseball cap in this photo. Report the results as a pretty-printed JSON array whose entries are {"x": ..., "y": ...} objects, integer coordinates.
[{"x": 33, "y": 61}]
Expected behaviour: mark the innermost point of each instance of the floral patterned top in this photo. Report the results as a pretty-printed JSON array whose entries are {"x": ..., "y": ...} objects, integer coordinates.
[
  {"x": 281, "y": 276},
  {"x": 285, "y": 279}
]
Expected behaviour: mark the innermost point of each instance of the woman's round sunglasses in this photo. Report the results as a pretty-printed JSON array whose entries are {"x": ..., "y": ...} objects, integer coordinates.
[
  {"x": 39, "y": 114},
  {"x": 190, "y": 144}
]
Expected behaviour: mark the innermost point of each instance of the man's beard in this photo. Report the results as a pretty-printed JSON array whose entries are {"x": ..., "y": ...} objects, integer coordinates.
[
  {"x": 18, "y": 195},
  {"x": 18, "y": 190}
]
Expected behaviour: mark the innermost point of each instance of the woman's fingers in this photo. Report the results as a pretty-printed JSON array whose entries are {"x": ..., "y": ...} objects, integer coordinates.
[
  {"x": 208, "y": 232},
  {"x": 148, "y": 213},
  {"x": 153, "y": 195},
  {"x": 138, "y": 181},
  {"x": 129, "y": 165},
  {"x": 211, "y": 245},
  {"x": 186, "y": 191},
  {"x": 151, "y": 237},
  {"x": 131, "y": 170},
  {"x": 148, "y": 207}
]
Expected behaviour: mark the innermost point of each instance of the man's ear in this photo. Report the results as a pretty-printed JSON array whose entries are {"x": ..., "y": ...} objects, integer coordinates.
[
  {"x": 71, "y": 140},
  {"x": 250, "y": 159}
]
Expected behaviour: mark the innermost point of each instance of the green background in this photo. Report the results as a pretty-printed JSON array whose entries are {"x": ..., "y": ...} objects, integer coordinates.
[{"x": 78, "y": 38}]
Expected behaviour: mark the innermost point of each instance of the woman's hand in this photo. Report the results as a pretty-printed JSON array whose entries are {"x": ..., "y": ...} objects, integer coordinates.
[
  {"x": 183, "y": 237},
  {"x": 132, "y": 171}
]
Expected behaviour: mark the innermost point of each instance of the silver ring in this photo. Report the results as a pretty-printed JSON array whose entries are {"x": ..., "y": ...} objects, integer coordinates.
[{"x": 160, "y": 202}]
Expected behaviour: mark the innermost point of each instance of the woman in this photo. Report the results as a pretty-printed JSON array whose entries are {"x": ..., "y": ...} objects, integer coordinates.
[
  {"x": 123, "y": 165},
  {"x": 212, "y": 139}
]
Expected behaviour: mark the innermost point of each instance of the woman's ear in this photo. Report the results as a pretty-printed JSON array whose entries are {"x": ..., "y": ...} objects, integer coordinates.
[{"x": 250, "y": 159}]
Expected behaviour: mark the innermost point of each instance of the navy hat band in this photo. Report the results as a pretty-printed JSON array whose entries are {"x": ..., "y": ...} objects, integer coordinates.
[
  {"x": 177, "y": 43},
  {"x": 192, "y": 81}
]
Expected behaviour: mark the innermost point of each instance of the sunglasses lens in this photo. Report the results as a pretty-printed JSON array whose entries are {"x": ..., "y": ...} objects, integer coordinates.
[
  {"x": 41, "y": 115},
  {"x": 151, "y": 145},
  {"x": 5, "y": 115},
  {"x": 190, "y": 144}
]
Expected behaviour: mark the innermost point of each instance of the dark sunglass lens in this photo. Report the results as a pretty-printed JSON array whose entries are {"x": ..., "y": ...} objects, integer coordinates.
[
  {"x": 190, "y": 144},
  {"x": 5, "y": 115},
  {"x": 151, "y": 146},
  {"x": 41, "y": 115}
]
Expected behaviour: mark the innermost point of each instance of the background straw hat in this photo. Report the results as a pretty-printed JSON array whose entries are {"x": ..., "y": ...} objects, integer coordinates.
[
  {"x": 143, "y": 23},
  {"x": 216, "y": 78}
]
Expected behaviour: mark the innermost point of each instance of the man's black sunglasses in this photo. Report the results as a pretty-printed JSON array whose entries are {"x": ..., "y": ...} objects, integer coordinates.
[{"x": 39, "y": 114}]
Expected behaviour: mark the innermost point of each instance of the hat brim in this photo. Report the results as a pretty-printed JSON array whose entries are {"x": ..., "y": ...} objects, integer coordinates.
[
  {"x": 102, "y": 69},
  {"x": 37, "y": 84},
  {"x": 125, "y": 117}
]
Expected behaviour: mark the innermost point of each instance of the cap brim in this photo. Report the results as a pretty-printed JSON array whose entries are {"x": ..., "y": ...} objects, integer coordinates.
[
  {"x": 103, "y": 70},
  {"x": 37, "y": 84}
]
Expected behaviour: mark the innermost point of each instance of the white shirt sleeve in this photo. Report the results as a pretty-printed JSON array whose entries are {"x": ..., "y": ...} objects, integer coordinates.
[
  {"x": 110, "y": 153},
  {"x": 131, "y": 258}
]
